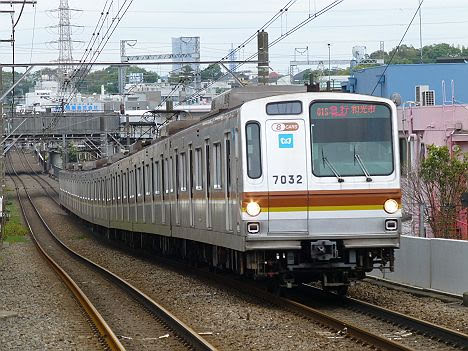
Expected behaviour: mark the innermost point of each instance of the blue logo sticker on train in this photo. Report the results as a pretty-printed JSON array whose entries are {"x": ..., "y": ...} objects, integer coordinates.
[{"x": 286, "y": 141}]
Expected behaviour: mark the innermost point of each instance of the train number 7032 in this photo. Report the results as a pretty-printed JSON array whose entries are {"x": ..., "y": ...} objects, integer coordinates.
[{"x": 287, "y": 179}]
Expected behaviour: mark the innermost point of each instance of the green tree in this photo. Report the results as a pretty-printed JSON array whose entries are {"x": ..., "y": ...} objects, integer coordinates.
[
  {"x": 21, "y": 89},
  {"x": 72, "y": 153},
  {"x": 442, "y": 180},
  {"x": 408, "y": 54},
  {"x": 109, "y": 78},
  {"x": 212, "y": 72}
]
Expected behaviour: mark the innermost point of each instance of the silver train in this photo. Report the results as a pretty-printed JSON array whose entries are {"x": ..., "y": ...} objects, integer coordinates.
[{"x": 294, "y": 187}]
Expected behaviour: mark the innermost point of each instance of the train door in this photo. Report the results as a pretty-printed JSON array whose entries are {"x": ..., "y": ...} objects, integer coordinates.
[
  {"x": 177, "y": 186},
  {"x": 126, "y": 195},
  {"x": 208, "y": 184},
  {"x": 166, "y": 208},
  {"x": 148, "y": 192},
  {"x": 287, "y": 175},
  {"x": 135, "y": 194},
  {"x": 119, "y": 197},
  {"x": 157, "y": 193},
  {"x": 140, "y": 193},
  {"x": 228, "y": 181},
  {"x": 191, "y": 185}
]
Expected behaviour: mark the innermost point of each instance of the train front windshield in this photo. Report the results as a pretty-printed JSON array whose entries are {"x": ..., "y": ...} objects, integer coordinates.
[{"x": 351, "y": 139}]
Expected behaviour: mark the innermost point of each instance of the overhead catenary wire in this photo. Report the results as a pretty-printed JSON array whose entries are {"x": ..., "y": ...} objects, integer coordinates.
[
  {"x": 266, "y": 25},
  {"x": 33, "y": 34},
  {"x": 101, "y": 45},
  {"x": 274, "y": 42},
  {"x": 20, "y": 14},
  {"x": 85, "y": 67},
  {"x": 95, "y": 33},
  {"x": 398, "y": 46}
]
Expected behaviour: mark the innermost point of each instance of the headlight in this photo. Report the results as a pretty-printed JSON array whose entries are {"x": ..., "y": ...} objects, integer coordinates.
[
  {"x": 391, "y": 206},
  {"x": 253, "y": 209}
]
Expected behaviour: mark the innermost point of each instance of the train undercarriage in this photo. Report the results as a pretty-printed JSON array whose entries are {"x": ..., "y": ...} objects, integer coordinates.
[{"x": 324, "y": 261}]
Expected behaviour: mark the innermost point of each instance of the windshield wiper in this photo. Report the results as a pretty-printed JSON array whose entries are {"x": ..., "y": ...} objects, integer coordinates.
[
  {"x": 333, "y": 169},
  {"x": 361, "y": 164}
]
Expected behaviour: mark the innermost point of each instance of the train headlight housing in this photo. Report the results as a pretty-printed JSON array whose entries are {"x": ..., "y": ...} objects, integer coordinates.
[
  {"x": 253, "y": 209},
  {"x": 391, "y": 206}
]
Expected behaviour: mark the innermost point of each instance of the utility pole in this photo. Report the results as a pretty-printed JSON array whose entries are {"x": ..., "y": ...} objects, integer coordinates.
[
  {"x": 122, "y": 80},
  {"x": 263, "y": 58},
  {"x": 2, "y": 117},
  {"x": 12, "y": 39}
]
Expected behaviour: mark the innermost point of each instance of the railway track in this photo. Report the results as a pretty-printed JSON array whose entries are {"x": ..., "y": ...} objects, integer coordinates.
[
  {"x": 125, "y": 317},
  {"x": 390, "y": 330},
  {"x": 409, "y": 330},
  {"x": 43, "y": 183},
  {"x": 373, "y": 330}
]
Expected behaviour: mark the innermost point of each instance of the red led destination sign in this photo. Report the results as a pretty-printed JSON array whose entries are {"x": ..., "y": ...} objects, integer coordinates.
[{"x": 344, "y": 110}]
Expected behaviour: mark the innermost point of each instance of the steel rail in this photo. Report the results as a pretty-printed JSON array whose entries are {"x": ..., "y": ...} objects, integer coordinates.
[
  {"x": 249, "y": 289},
  {"x": 439, "y": 333},
  {"x": 104, "y": 330},
  {"x": 181, "y": 329},
  {"x": 39, "y": 176},
  {"x": 351, "y": 330}
]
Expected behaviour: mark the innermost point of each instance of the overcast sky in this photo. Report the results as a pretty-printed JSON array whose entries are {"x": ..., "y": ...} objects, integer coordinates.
[{"x": 220, "y": 23}]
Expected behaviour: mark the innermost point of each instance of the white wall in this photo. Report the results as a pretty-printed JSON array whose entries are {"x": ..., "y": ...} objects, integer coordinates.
[{"x": 440, "y": 264}]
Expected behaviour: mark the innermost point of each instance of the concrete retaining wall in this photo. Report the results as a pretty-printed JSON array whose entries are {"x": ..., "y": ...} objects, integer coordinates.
[{"x": 439, "y": 264}]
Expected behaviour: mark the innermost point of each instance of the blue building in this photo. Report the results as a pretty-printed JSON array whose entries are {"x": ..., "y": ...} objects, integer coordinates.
[{"x": 427, "y": 84}]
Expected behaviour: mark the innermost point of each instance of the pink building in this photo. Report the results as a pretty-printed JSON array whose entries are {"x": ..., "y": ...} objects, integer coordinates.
[{"x": 443, "y": 125}]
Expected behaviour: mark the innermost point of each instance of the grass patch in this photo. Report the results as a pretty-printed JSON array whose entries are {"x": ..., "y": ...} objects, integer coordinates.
[{"x": 14, "y": 231}]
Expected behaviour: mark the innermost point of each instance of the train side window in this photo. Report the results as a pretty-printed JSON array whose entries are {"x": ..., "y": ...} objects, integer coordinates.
[
  {"x": 207, "y": 165},
  {"x": 138, "y": 182},
  {"x": 103, "y": 195},
  {"x": 113, "y": 187},
  {"x": 198, "y": 169},
  {"x": 253, "y": 146},
  {"x": 131, "y": 181},
  {"x": 108, "y": 191},
  {"x": 284, "y": 108},
  {"x": 129, "y": 184},
  {"x": 156, "y": 180},
  {"x": 227, "y": 161},
  {"x": 124, "y": 185},
  {"x": 217, "y": 181},
  {"x": 166, "y": 176},
  {"x": 118, "y": 187},
  {"x": 183, "y": 171},
  {"x": 135, "y": 182},
  {"x": 147, "y": 178},
  {"x": 171, "y": 171}
]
